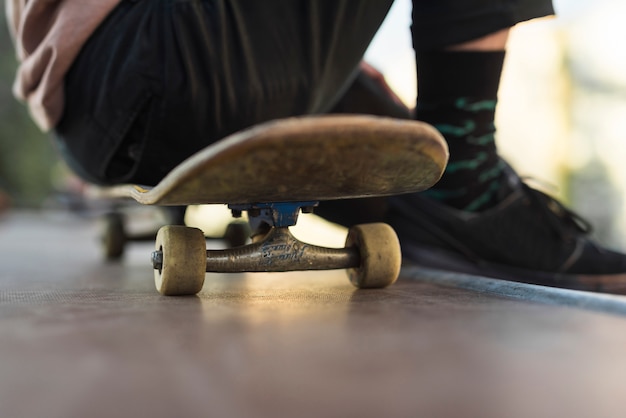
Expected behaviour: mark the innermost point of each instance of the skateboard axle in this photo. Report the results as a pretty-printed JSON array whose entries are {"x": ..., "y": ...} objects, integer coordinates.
[
  {"x": 278, "y": 251},
  {"x": 157, "y": 260}
]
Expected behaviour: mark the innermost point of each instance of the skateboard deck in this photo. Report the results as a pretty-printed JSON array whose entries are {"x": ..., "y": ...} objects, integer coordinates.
[
  {"x": 304, "y": 159},
  {"x": 275, "y": 170}
]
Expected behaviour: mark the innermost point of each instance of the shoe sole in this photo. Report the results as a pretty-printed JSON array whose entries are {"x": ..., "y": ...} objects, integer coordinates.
[{"x": 443, "y": 260}]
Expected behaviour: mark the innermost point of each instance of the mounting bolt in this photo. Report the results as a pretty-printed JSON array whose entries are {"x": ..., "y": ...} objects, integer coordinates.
[{"x": 236, "y": 213}]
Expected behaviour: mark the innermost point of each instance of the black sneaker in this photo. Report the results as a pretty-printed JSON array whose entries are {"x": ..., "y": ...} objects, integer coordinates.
[{"x": 529, "y": 237}]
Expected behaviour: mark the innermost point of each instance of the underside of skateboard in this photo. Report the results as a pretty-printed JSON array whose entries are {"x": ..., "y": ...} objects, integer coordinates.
[{"x": 371, "y": 255}]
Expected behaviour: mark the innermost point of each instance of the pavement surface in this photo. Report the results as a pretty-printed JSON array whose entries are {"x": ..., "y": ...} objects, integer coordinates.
[{"x": 80, "y": 337}]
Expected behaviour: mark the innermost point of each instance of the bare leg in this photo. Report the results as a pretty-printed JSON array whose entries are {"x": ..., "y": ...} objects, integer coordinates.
[{"x": 492, "y": 42}]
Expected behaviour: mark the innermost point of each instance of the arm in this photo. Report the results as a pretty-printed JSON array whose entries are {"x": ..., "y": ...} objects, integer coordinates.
[{"x": 48, "y": 34}]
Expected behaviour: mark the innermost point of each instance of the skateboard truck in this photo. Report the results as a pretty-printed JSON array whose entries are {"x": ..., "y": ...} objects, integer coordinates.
[
  {"x": 282, "y": 214},
  {"x": 277, "y": 249},
  {"x": 180, "y": 261}
]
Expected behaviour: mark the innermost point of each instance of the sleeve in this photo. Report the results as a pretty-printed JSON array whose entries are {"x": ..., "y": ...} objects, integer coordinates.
[{"x": 13, "y": 10}]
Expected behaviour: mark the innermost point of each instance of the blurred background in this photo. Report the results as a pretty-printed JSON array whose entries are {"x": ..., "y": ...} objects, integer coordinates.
[
  {"x": 562, "y": 103},
  {"x": 561, "y": 120},
  {"x": 27, "y": 161}
]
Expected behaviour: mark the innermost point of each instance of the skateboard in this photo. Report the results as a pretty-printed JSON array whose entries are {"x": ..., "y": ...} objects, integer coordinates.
[{"x": 274, "y": 171}]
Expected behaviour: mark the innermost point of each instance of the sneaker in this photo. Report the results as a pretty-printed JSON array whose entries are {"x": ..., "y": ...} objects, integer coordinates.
[{"x": 528, "y": 237}]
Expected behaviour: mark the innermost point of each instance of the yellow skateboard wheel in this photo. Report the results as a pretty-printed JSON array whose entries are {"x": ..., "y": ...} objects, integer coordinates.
[
  {"x": 183, "y": 265},
  {"x": 380, "y": 254}
]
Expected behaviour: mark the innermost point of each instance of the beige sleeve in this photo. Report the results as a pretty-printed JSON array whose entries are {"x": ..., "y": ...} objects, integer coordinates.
[
  {"x": 48, "y": 35},
  {"x": 13, "y": 9}
]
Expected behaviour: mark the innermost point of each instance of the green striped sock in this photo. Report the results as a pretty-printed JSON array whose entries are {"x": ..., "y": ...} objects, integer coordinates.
[{"x": 458, "y": 95}]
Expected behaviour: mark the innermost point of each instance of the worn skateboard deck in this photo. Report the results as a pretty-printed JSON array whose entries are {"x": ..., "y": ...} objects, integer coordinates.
[{"x": 304, "y": 159}]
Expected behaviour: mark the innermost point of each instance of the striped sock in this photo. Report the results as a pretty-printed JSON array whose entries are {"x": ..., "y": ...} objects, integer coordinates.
[{"x": 458, "y": 95}]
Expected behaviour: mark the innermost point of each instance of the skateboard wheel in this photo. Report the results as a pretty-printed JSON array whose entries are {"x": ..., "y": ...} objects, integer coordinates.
[
  {"x": 183, "y": 260},
  {"x": 113, "y": 236},
  {"x": 379, "y": 250}
]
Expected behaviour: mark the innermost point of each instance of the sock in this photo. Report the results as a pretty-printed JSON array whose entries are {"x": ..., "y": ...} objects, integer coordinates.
[{"x": 457, "y": 93}]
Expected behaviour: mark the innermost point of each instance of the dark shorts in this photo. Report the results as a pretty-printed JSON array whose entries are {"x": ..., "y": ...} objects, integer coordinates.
[
  {"x": 162, "y": 79},
  {"x": 440, "y": 23}
]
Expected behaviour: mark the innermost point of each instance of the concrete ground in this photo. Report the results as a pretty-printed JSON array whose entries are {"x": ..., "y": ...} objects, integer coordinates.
[{"x": 83, "y": 338}]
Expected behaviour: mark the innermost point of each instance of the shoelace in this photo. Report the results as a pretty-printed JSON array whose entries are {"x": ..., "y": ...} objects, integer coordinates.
[{"x": 563, "y": 221}]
